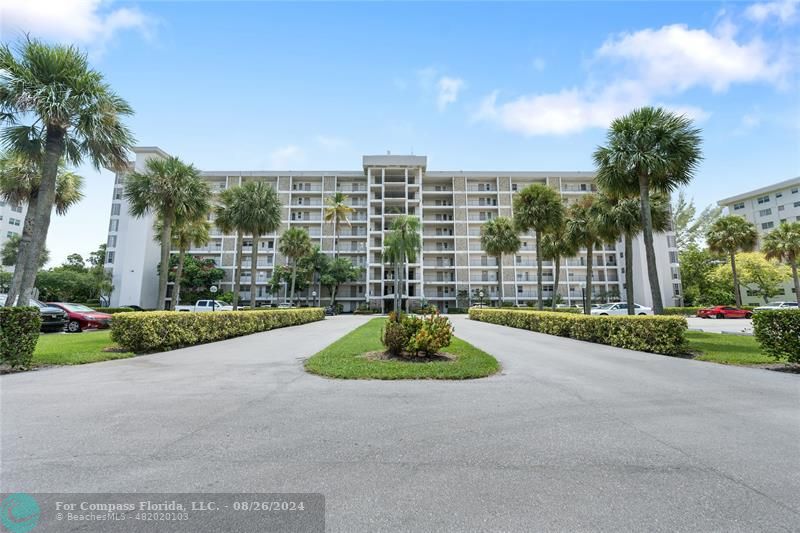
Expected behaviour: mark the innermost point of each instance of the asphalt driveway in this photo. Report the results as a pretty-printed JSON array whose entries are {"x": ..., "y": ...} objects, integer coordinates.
[{"x": 571, "y": 436}]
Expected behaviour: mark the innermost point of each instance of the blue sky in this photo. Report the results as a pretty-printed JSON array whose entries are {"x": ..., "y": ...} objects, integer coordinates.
[{"x": 512, "y": 86}]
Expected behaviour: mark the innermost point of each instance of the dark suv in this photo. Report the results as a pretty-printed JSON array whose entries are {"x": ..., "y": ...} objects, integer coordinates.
[{"x": 53, "y": 318}]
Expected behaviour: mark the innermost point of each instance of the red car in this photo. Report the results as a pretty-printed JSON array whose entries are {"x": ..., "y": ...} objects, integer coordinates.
[
  {"x": 80, "y": 317},
  {"x": 724, "y": 311}
]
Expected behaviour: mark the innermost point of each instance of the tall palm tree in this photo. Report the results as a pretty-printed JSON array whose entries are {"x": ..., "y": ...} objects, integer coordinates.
[
  {"x": 584, "y": 230},
  {"x": 783, "y": 244},
  {"x": 228, "y": 221},
  {"x": 401, "y": 247},
  {"x": 171, "y": 190},
  {"x": 729, "y": 235},
  {"x": 294, "y": 244},
  {"x": 19, "y": 184},
  {"x": 620, "y": 216},
  {"x": 336, "y": 213},
  {"x": 185, "y": 234},
  {"x": 75, "y": 116},
  {"x": 539, "y": 208},
  {"x": 258, "y": 209},
  {"x": 499, "y": 237},
  {"x": 648, "y": 150},
  {"x": 555, "y": 246}
]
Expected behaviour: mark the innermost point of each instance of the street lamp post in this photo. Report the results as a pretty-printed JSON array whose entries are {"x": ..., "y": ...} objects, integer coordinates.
[
  {"x": 213, "y": 290},
  {"x": 314, "y": 297}
]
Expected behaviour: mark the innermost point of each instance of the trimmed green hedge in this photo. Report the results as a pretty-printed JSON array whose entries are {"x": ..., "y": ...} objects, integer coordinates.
[
  {"x": 691, "y": 311},
  {"x": 656, "y": 334},
  {"x": 778, "y": 332},
  {"x": 167, "y": 330},
  {"x": 19, "y": 332},
  {"x": 112, "y": 310}
]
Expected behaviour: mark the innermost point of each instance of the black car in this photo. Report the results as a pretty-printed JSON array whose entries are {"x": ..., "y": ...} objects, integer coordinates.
[{"x": 53, "y": 318}]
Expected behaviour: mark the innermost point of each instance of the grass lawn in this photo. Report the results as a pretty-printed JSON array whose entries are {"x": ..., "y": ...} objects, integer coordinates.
[
  {"x": 344, "y": 359},
  {"x": 75, "y": 348},
  {"x": 727, "y": 349}
]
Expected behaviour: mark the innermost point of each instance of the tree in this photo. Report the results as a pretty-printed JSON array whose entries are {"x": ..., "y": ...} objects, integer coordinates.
[
  {"x": 172, "y": 190},
  {"x": 74, "y": 262},
  {"x": 97, "y": 262},
  {"x": 62, "y": 284},
  {"x": 689, "y": 227},
  {"x": 584, "y": 230},
  {"x": 729, "y": 235},
  {"x": 538, "y": 207},
  {"x": 783, "y": 244},
  {"x": 229, "y": 219},
  {"x": 336, "y": 213},
  {"x": 499, "y": 237},
  {"x": 699, "y": 287},
  {"x": 258, "y": 212},
  {"x": 20, "y": 177},
  {"x": 5, "y": 281},
  {"x": 10, "y": 252},
  {"x": 75, "y": 116},
  {"x": 620, "y": 216},
  {"x": 401, "y": 246},
  {"x": 337, "y": 271},
  {"x": 197, "y": 278},
  {"x": 185, "y": 234},
  {"x": 763, "y": 278},
  {"x": 315, "y": 263},
  {"x": 648, "y": 150},
  {"x": 294, "y": 244},
  {"x": 556, "y": 244}
]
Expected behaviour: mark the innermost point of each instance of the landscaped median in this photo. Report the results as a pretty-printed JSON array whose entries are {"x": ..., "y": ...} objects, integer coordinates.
[
  {"x": 656, "y": 334},
  {"x": 157, "y": 331}
]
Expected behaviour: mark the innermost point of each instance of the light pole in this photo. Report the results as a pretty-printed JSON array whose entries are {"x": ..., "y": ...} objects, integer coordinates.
[
  {"x": 314, "y": 297},
  {"x": 213, "y": 290},
  {"x": 480, "y": 296}
]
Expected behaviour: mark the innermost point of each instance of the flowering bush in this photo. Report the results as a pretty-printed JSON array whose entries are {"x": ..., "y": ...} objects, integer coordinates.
[{"x": 408, "y": 335}]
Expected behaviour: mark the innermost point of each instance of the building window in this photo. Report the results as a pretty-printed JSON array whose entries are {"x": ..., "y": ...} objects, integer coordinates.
[
  {"x": 797, "y": 204},
  {"x": 738, "y": 205},
  {"x": 109, "y": 257},
  {"x": 794, "y": 191},
  {"x": 767, "y": 225},
  {"x": 113, "y": 224},
  {"x": 112, "y": 241},
  {"x": 118, "y": 194},
  {"x": 763, "y": 199},
  {"x": 14, "y": 221},
  {"x": 673, "y": 257},
  {"x": 676, "y": 289},
  {"x": 115, "y": 209},
  {"x": 765, "y": 212},
  {"x": 514, "y": 187},
  {"x": 12, "y": 233},
  {"x": 671, "y": 242},
  {"x": 779, "y": 195},
  {"x": 16, "y": 208},
  {"x": 781, "y": 207}
]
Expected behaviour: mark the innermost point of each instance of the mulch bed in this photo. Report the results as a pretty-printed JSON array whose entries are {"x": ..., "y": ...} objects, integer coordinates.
[{"x": 380, "y": 355}]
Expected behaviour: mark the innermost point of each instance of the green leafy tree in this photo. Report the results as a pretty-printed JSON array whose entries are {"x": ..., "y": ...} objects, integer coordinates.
[
  {"x": 171, "y": 190},
  {"x": 689, "y": 226},
  {"x": 729, "y": 235},
  {"x": 258, "y": 212},
  {"x": 762, "y": 277},
  {"x": 498, "y": 238},
  {"x": 97, "y": 262},
  {"x": 648, "y": 150},
  {"x": 5, "y": 281},
  {"x": 556, "y": 245},
  {"x": 197, "y": 277},
  {"x": 401, "y": 246},
  {"x": 10, "y": 252},
  {"x": 337, "y": 212},
  {"x": 74, "y": 115},
  {"x": 584, "y": 230},
  {"x": 699, "y": 287},
  {"x": 294, "y": 244},
  {"x": 74, "y": 262},
  {"x": 62, "y": 284},
  {"x": 337, "y": 271},
  {"x": 783, "y": 244},
  {"x": 539, "y": 208}
]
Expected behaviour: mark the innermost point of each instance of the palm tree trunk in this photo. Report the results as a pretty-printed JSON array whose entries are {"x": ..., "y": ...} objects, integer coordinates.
[
  {"x": 557, "y": 261},
  {"x": 176, "y": 287},
  {"x": 253, "y": 271},
  {"x": 650, "y": 252},
  {"x": 539, "y": 287},
  {"x": 737, "y": 293},
  {"x": 163, "y": 268},
  {"x": 587, "y": 303},
  {"x": 54, "y": 149},
  {"x": 796, "y": 279},
  {"x": 237, "y": 276},
  {"x": 499, "y": 260},
  {"x": 335, "y": 237},
  {"x": 24, "y": 246},
  {"x": 629, "y": 272},
  {"x": 294, "y": 277},
  {"x": 397, "y": 288}
]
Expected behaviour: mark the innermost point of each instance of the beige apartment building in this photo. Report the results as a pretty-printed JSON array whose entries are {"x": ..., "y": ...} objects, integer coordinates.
[{"x": 450, "y": 270}]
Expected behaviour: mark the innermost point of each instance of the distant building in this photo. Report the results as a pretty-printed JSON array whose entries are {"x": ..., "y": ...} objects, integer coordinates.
[
  {"x": 12, "y": 218},
  {"x": 452, "y": 205}
]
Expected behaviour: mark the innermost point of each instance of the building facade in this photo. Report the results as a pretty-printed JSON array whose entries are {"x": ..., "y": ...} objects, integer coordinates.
[
  {"x": 451, "y": 268},
  {"x": 12, "y": 219},
  {"x": 767, "y": 207}
]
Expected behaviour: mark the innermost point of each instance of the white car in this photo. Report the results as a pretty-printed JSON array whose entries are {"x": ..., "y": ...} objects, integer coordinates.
[
  {"x": 205, "y": 306},
  {"x": 619, "y": 308},
  {"x": 778, "y": 306}
]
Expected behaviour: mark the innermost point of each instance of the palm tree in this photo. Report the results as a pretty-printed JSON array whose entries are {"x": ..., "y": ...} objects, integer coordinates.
[
  {"x": 401, "y": 247},
  {"x": 539, "y": 208},
  {"x": 19, "y": 184},
  {"x": 172, "y": 190},
  {"x": 621, "y": 216},
  {"x": 258, "y": 210},
  {"x": 649, "y": 149},
  {"x": 75, "y": 116},
  {"x": 556, "y": 245},
  {"x": 185, "y": 234},
  {"x": 227, "y": 219},
  {"x": 783, "y": 244},
  {"x": 336, "y": 212},
  {"x": 584, "y": 230},
  {"x": 729, "y": 235},
  {"x": 295, "y": 244},
  {"x": 499, "y": 237}
]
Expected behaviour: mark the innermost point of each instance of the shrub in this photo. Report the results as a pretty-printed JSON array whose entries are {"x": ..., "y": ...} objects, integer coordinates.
[
  {"x": 395, "y": 335},
  {"x": 778, "y": 332},
  {"x": 166, "y": 330},
  {"x": 112, "y": 310},
  {"x": 457, "y": 311},
  {"x": 433, "y": 334},
  {"x": 657, "y": 334},
  {"x": 19, "y": 332}
]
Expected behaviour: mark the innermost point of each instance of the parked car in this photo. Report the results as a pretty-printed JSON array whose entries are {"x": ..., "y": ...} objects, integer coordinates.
[
  {"x": 285, "y": 305},
  {"x": 53, "y": 318},
  {"x": 777, "y": 306},
  {"x": 80, "y": 317},
  {"x": 619, "y": 308},
  {"x": 724, "y": 311},
  {"x": 204, "y": 306}
]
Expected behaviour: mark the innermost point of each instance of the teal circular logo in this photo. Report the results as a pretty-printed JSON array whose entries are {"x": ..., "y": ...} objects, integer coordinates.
[{"x": 20, "y": 512}]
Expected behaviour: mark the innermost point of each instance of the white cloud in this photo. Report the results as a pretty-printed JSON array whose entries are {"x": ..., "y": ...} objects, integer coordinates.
[
  {"x": 448, "y": 88},
  {"x": 783, "y": 10},
  {"x": 282, "y": 158},
  {"x": 90, "y": 22}
]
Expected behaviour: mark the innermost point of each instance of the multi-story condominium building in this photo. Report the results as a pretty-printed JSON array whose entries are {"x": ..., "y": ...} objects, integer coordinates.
[
  {"x": 12, "y": 218},
  {"x": 767, "y": 207},
  {"x": 450, "y": 270}
]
